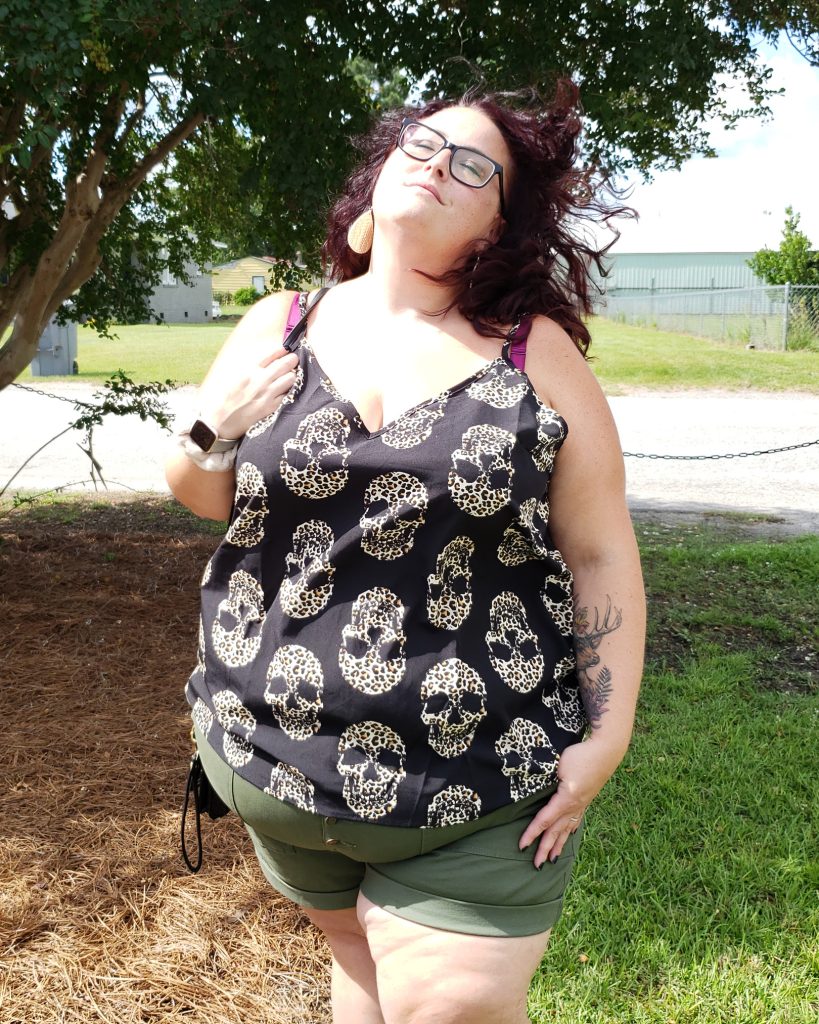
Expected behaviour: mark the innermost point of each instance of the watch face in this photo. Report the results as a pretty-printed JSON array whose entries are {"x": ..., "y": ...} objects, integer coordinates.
[{"x": 202, "y": 435}]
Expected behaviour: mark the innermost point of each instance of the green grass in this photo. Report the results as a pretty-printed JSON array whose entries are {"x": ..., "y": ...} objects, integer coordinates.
[
  {"x": 146, "y": 352},
  {"x": 625, "y": 358},
  {"x": 696, "y": 892},
  {"x": 695, "y": 898}
]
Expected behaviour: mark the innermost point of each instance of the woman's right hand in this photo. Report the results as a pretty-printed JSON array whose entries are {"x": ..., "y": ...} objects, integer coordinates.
[
  {"x": 244, "y": 393},
  {"x": 252, "y": 372}
]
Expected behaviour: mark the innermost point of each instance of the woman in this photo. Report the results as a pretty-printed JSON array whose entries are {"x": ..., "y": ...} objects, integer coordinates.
[{"x": 430, "y": 591}]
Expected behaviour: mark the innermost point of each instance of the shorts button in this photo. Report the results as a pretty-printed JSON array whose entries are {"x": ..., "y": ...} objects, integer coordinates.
[
  {"x": 331, "y": 842},
  {"x": 331, "y": 821}
]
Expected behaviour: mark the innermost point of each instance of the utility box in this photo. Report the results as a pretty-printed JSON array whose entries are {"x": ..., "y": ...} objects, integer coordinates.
[{"x": 57, "y": 351}]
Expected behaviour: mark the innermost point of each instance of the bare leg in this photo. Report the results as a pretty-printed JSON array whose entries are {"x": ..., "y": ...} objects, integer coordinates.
[
  {"x": 353, "y": 990},
  {"x": 440, "y": 977}
]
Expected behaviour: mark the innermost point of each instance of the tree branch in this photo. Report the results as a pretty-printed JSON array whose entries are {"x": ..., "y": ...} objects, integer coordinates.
[
  {"x": 87, "y": 256},
  {"x": 162, "y": 149},
  {"x": 133, "y": 119},
  {"x": 10, "y": 119}
]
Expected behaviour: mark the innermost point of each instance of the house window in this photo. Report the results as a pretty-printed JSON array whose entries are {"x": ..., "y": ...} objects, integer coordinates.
[{"x": 258, "y": 283}]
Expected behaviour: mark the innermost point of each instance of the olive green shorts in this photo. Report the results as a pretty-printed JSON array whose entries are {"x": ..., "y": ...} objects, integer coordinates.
[{"x": 469, "y": 878}]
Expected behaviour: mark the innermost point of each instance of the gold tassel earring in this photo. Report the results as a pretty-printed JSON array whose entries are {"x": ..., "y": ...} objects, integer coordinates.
[{"x": 360, "y": 233}]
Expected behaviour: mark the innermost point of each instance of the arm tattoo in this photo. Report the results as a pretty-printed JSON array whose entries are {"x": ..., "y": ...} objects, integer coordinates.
[{"x": 595, "y": 688}]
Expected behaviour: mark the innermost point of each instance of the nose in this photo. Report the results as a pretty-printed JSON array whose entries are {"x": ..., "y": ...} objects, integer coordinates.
[{"x": 439, "y": 164}]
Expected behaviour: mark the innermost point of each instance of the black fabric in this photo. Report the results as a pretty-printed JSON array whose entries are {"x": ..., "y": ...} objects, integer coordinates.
[{"x": 386, "y": 627}]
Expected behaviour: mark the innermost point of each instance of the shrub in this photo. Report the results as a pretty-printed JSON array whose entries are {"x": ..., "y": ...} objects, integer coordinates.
[
  {"x": 224, "y": 297},
  {"x": 245, "y": 296}
]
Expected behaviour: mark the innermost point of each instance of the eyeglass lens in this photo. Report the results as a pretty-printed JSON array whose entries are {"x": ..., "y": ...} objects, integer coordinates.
[{"x": 467, "y": 165}]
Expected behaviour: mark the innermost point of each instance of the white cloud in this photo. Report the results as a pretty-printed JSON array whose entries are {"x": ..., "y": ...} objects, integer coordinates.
[{"x": 736, "y": 202}]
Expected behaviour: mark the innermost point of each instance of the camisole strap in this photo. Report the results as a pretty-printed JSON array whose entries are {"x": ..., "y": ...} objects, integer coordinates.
[
  {"x": 296, "y": 322},
  {"x": 517, "y": 341},
  {"x": 293, "y": 316}
]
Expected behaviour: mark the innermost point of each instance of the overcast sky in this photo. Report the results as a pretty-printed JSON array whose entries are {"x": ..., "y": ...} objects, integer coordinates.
[{"x": 736, "y": 203}]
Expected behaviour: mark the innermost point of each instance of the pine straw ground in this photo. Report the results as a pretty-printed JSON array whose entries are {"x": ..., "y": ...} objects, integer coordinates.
[{"x": 99, "y": 919}]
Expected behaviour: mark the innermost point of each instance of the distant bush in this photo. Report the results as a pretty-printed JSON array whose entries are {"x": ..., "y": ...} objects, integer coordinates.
[
  {"x": 226, "y": 297},
  {"x": 245, "y": 296}
]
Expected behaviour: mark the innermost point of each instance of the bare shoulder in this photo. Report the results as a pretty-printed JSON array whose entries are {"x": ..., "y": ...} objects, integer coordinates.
[
  {"x": 560, "y": 375},
  {"x": 257, "y": 336},
  {"x": 264, "y": 322}
]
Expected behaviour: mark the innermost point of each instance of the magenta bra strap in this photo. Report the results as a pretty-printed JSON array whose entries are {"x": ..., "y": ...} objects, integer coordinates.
[
  {"x": 519, "y": 334},
  {"x": 293, "y": 316}
]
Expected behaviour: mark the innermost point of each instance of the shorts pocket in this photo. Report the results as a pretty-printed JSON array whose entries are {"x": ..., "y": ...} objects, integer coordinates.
[{"x": 501, "y": 841}]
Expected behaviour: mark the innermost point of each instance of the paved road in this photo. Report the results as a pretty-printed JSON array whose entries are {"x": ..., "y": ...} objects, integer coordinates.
[{"x": 684, "y": 423}]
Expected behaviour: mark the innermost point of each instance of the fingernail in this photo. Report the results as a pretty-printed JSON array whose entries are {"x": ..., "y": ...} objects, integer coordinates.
[
  {"x": 553, "y": 859},
  {"x": 538, "y": 866}
]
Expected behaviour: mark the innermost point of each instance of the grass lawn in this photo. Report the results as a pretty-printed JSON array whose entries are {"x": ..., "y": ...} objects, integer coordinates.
[
  {"x": 696, "y": 892},
  {"x": 624, "y": 358},
  {"x": 697, "y": 882},
  {"x": 627, "y": 357}
]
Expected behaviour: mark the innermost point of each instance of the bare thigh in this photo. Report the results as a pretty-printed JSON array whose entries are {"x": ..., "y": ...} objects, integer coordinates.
[
  {"x": 342, "y": 924},
  {"x": 428, "y": 974}
]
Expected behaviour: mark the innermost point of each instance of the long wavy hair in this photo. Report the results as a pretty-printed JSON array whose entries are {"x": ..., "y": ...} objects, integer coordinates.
[{"x": 541, "y": 263}]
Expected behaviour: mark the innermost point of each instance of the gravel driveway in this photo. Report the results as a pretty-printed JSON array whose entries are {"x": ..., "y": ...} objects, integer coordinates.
[{"x": 673, "y": 423}]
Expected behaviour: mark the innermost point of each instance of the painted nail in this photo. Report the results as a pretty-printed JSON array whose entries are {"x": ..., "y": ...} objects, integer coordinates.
[{"x": 553, "y": 859}]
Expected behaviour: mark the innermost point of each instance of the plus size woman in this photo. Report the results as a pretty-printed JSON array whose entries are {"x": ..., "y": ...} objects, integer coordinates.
[{"x": 421, "y": 637}]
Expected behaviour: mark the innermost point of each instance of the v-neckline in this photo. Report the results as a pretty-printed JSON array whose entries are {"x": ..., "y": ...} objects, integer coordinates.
[{"x": 440, "y": 396}]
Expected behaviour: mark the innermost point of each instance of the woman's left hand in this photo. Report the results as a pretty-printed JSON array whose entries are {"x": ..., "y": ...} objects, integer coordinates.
[{"x": 583, "y": 770}]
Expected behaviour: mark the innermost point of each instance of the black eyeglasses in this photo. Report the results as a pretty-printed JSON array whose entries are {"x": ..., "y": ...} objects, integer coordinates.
[{"x": 468, "y": 166}]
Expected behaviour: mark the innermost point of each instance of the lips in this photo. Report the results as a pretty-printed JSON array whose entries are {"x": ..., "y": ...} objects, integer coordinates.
[{"x": 428, "y": 188}]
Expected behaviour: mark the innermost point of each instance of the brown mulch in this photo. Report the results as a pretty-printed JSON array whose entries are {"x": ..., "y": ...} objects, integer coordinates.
[{"x": 99, "y": 918}]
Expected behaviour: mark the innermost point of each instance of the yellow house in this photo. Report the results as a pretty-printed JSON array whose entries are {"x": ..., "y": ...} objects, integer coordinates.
[{"x": 247, "y": 272}]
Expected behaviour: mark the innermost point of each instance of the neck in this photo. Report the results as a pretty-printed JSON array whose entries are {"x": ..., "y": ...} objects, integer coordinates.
[{"x": 394, "y": 284}]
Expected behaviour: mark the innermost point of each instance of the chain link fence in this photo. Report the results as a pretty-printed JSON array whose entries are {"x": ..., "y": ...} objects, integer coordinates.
[{"x": 774, "y": 317}]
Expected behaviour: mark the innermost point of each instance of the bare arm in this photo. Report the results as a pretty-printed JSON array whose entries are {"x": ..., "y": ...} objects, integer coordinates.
[
  {"x": 246, "y": 382},
  {"x": 590, "y": 524}
]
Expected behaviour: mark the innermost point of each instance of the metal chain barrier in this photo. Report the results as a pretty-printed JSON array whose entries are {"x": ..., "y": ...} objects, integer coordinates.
[
  {"x": 627, "y": 455},
  {"x": 726, "y": 455},
  {"x": 48, "y": 394}
]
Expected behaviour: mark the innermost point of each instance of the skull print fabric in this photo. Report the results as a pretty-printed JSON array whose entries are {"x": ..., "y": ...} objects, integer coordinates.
[
  {"x": 454, "y": 702},
  {"x": 386, "y": 628},
  {"x": 314, "y": 463},
  {"x": 449, "y": 597},
  {"x": 247, "y": 529},
  {"x": 481, "y": 477},
  {"x": 236, "y": 627},
  {"x": 308, "y": 582},
  {"x": 372, "y": 655},
  {"x": 371, "y": 758},
  {"x": 395, "y": 509},
  {"x": 294, "y": 685}
]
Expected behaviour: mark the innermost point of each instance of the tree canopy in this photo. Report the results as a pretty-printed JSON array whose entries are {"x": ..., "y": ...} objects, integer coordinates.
[
  {"x": 130, "y": 129},
  {"x": 794, "y": 262}
]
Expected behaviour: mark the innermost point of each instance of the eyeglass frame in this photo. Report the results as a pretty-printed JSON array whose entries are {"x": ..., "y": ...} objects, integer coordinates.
[{"x": 497, "y": 168}]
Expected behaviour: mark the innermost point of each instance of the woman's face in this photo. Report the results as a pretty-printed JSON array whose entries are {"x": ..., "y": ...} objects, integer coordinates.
[{"x": 422, "y": 195}]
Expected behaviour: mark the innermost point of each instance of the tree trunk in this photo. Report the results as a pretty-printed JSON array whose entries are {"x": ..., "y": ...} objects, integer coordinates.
[{"x": 73, "y": 254}]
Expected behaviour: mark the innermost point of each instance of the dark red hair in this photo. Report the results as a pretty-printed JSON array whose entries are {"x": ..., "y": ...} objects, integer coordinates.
[{"x": 542, "y": 261}]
